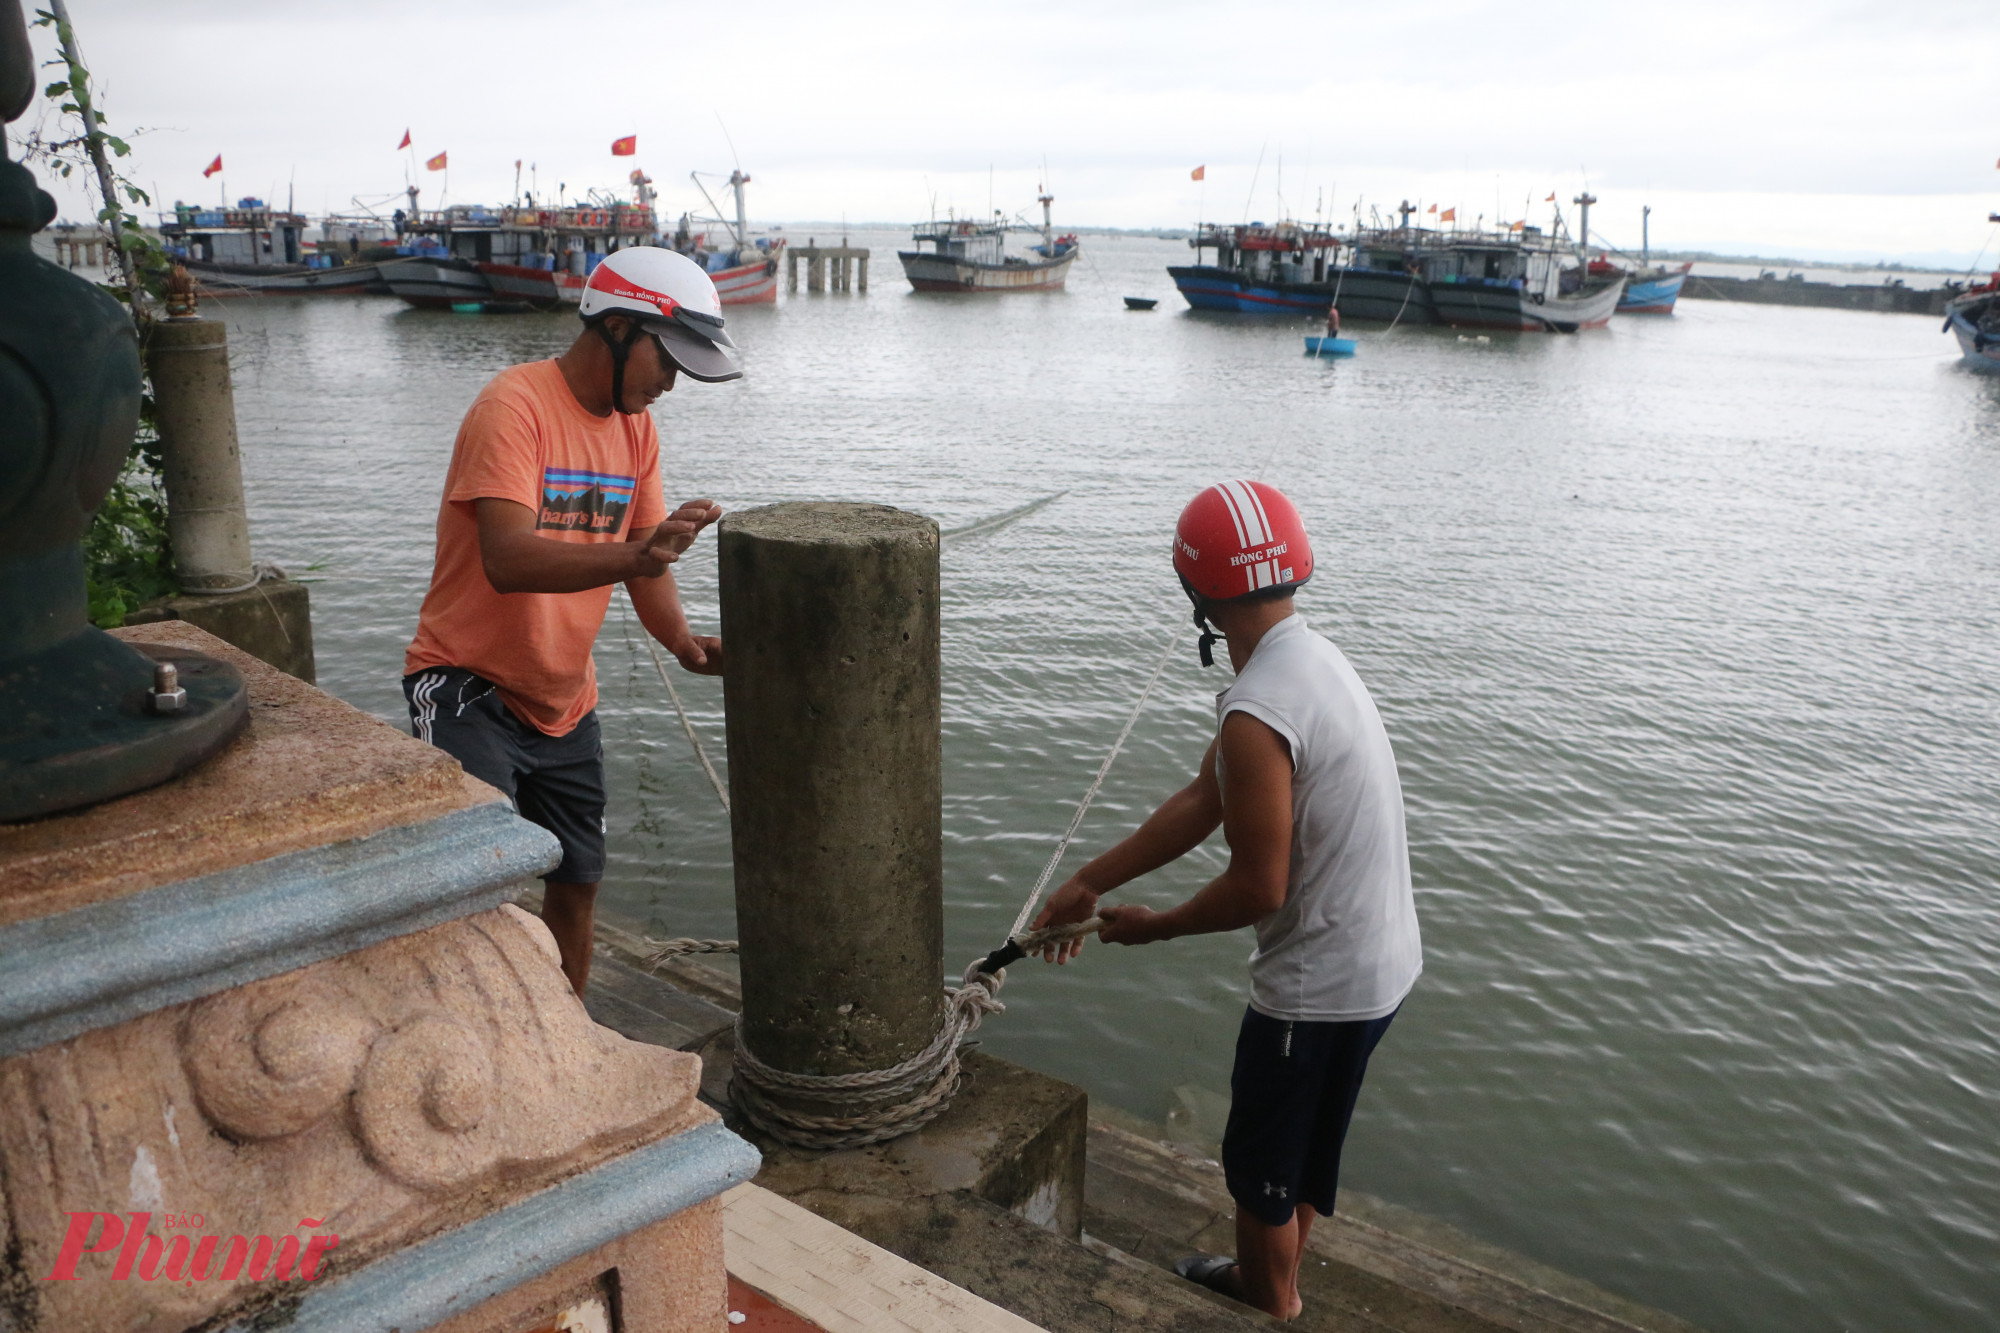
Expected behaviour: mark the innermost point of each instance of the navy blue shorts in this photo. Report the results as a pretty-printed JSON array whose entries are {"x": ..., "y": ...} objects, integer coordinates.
[
  {"x": 1291, "y": 1095},
  {"x": 554, "y": 781}
]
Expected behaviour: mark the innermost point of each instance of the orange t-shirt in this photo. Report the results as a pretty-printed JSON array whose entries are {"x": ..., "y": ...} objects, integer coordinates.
[{"x": 588, "y": 479}]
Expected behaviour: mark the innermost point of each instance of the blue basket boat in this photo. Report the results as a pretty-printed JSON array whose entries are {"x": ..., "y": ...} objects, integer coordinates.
[{"x": 1323, "y": 346}]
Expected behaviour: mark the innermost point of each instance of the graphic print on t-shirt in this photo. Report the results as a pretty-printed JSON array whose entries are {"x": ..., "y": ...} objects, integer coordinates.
[{"x": 579, "y": 501}]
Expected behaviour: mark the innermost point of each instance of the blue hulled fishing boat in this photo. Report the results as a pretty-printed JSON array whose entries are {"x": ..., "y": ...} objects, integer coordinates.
[
  {"x": 1650, "y": 289},
  {"x": 1260, "y": 270}
]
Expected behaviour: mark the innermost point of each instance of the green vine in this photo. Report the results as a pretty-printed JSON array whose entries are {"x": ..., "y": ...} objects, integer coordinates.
[{"x": 126, "y": 557}]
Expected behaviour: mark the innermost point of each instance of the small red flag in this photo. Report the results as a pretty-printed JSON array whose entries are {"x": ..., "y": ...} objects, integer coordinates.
[
  {"x": 1550, "y": 200},
  {"x": 212, "y": 167},
  {"x": 626, "y": 146},
  {"x": 435, "y": 164},
  {"x": 405, "y": 143},
  {"x": 1448, "y": 215},
  {"x": 1200, "y": 173}
]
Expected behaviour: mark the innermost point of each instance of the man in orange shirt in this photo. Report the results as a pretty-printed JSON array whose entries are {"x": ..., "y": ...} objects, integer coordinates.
[{"x": 553, "y": 495}]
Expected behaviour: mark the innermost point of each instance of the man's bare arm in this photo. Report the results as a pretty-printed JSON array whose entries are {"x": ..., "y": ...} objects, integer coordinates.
[
  {"x": 1257, "y": 821},
  {"x": 658, "y": 602},
  {"x": 1170, "y": 832},
  {"x": 516, "y": 560}
]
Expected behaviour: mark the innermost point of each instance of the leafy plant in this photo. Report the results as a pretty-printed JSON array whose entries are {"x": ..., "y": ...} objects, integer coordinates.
[{"x": 126, "y": 557}]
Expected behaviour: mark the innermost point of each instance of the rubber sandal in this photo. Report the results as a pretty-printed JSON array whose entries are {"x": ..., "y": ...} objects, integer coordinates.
[{"x": 1210, "y": 1271}]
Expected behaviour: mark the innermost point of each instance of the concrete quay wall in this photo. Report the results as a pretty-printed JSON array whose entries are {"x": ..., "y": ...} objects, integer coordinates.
[{"x": 1838, "y": 296}]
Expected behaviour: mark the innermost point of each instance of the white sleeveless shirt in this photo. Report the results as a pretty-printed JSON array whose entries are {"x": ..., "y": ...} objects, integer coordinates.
[{"x": 1345, "y": 945}]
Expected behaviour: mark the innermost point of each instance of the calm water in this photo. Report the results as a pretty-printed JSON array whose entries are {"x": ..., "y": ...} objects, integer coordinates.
[{"x": 1684, "y": 632}]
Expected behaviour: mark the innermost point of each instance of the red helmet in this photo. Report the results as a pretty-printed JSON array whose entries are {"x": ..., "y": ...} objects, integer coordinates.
[{"x": 1238, "y": 538}]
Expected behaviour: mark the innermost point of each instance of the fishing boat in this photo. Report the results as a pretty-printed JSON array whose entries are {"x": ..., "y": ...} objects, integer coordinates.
[
  {"x": 1974, "y": 318},
  {"x": 1329, "y": 345},
  {"x": 1518, "y": 283},
  {"x": 970, "y": 256},
  {"x": 1385, "y": 275},
  {"x": 1521, "y": 280},
  {"x": 1650, "y": 289},
  {"x": 255, "y": 250},
  {"x": 1299, "y": 269},
  {"x": 744, "y": 269},
  {"x": 1277, "y": 269},
  {"x": 510, "y": 258}
]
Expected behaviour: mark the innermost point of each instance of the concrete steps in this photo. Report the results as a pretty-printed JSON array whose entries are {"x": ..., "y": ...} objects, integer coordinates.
[
  {"x": 1371, "y": 1269},
  {"x": 1157, "y": 1203}
]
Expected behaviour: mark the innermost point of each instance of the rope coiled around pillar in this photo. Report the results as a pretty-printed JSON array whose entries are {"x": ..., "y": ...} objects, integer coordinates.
[{"x": 869, "y": 1105}]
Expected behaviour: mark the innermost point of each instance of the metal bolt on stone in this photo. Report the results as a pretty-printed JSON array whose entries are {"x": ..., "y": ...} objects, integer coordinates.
[
  {"x": 168, "y": 696},
  {"x": 830, "y": 612}
]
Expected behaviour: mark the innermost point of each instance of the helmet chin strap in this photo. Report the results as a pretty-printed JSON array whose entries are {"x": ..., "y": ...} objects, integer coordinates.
[
  {"x": 620, "y": 350},
  {"x": 1209, "y": 637}
]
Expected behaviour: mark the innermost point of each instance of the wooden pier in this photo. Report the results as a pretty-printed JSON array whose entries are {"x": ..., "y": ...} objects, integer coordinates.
[{"x": 835, "y": 268}]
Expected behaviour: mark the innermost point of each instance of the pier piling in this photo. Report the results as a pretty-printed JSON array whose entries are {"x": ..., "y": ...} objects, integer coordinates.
[
  {"x": 838, "y": 268},
  {"x": 830, "y": 613},
  {"x": 206, "y": 523}
]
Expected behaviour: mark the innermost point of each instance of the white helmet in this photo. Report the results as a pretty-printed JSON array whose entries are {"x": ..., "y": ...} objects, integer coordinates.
[{"x": 673, "y": 300}]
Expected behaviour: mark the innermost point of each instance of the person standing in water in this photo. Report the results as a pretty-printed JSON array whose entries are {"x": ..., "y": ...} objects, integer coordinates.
[
  {"x": 553, "y": 496},
  {"x": 1302, "y": 781}
]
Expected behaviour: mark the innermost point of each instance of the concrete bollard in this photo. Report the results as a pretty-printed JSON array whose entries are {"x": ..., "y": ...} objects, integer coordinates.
[
  {"x": 206, "y": 523},
  {"x": 862, "y": 276},
  {"x": 830, "y": 614}
]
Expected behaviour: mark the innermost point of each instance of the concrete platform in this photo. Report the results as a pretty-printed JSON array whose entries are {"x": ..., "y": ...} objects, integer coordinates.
[
  {"x": 1374, "y": 1268},
  {"x": 272, "y": 622}
]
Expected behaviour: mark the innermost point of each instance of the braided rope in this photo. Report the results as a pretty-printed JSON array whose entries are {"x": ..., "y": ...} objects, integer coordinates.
[
  {"x": 665, "y": 949},
  {"x": 916, "y": 1090},
  {"x": 1103, "y": 769}
]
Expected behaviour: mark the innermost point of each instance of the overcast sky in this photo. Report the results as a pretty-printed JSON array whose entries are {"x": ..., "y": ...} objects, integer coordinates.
[{"x": 1771, "y": 126}]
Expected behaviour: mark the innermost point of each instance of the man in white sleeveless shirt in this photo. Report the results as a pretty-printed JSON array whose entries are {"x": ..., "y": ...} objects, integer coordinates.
[{"x": 1302, "y": 781}]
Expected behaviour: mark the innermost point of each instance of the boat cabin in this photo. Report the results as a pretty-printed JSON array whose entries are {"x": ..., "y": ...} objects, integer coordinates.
[
  {"x": 249, "y": 234},
  {"x": 1284, "y": 252},
  {"x": 1523, "y": 260},
  {"x": 571, "y": 240},
  {"x": 973, "y": 242}
]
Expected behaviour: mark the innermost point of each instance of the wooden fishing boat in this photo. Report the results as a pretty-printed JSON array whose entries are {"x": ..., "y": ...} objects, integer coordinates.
[
  {"x": 1522, "y": 281},
  {"x": 1974, "y": 319},
  {"x": 1650, "y": 289},
  {"x": 1496, "y": 282},
  {"x": 743, "y": 268},
  {"x": 971, "y": 257},
  {"x": 256, "y": 250},
  {"x": 1260, "y": 270}
]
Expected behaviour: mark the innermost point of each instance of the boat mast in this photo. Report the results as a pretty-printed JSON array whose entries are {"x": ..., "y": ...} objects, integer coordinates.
[
  {"x": 737, "y": 180},
  {"x": 1646, "y": 235},
  {"x": 1583, "y": 203}
]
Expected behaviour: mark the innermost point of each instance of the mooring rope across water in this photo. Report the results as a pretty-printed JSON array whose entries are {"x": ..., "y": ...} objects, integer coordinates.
[{"x": 999, "y": 520}]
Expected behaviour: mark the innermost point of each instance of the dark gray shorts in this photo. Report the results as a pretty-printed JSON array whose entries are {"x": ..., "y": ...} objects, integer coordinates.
[{"x": 554, "y": 781}]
